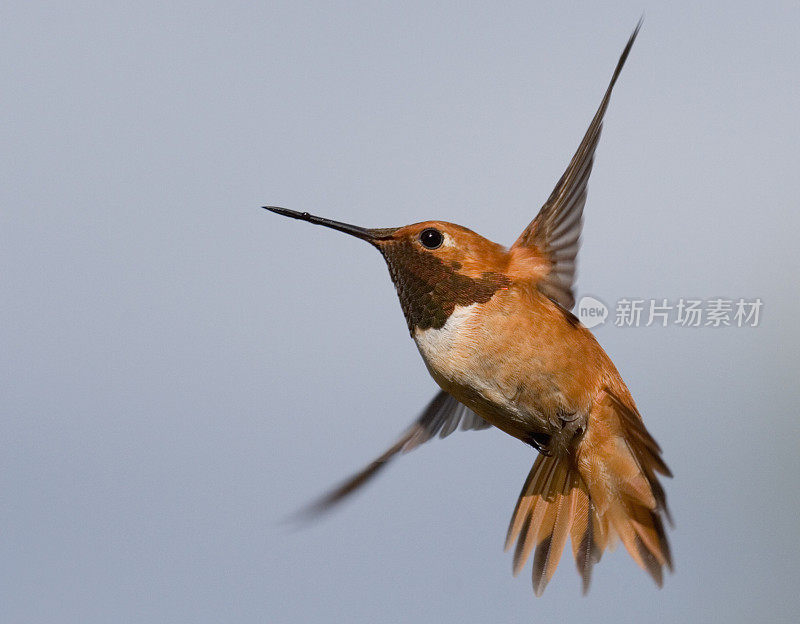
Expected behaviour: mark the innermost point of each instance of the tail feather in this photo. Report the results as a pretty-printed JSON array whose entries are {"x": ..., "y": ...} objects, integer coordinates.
[
  {"x": 606, "y": 491},
  {"x": 553, "y": 534},
  {"x": 532, "y": 505},
  {"x": 586, "y": 536},
  {"x": 618, "y": 460},
  {"x": 524, "y": 504},
  {"x": 584, "y": 548},
  {"x": 554, "y": 506}
]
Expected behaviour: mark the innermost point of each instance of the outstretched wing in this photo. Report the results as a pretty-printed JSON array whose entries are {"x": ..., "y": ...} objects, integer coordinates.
[
  {"x": 555, "y": 232},
  {"x": 442, "y": 416}
]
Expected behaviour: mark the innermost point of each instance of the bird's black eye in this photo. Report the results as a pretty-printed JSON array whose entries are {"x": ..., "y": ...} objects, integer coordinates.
[{"x": 431, "y": 238}]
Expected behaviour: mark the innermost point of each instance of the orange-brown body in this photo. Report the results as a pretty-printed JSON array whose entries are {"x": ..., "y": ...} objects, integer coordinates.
[
  {"x": 494, "y": 329},
  {"x": 526, "y": 365},
  {"x": 517, "y": 360}
]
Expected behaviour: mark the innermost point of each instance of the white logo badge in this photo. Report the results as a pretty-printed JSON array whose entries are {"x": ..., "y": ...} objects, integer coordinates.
[{"x": 592, "y": 312}]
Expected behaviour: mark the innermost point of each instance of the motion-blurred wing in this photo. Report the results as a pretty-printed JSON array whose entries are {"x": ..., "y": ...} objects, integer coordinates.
[
  {"x": 556, "y": 230},
  {"x": 442, "y": 416}
]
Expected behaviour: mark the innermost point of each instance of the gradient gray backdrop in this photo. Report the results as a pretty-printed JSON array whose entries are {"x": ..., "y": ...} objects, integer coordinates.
[{"x": 180, "y": 370}]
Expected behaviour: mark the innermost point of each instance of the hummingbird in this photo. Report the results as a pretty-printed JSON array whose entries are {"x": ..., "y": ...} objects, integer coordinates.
[{"x": 494, "y": 328}]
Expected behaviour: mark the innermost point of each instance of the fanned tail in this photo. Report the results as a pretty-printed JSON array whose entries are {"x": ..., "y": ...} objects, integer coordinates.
[
  {"x": 555, "y": 504},
  {"x": 606, "y": 490}
]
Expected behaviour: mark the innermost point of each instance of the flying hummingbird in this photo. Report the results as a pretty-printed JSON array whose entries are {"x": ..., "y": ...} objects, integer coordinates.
[{"x": 494, "y": 327}]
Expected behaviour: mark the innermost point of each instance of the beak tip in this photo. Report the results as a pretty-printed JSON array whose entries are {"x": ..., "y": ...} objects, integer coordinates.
[
  {"x": 285, "y": 212},
  {"x": 353, "y": 230}
]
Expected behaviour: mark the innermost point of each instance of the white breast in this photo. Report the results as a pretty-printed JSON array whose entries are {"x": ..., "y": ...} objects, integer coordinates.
[
  {"x": 442, "y": 349},
  {"x": 459, "y": 365}
]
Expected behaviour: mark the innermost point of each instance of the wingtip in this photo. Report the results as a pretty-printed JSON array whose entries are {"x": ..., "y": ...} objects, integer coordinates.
[
  {"x": 300, "y": 518},
  {"x": 636, "y": 30},
  {"x": 624, "y": 56}
]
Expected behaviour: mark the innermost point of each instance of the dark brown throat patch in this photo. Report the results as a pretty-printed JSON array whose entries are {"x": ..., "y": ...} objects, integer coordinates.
[{"x": 429, "y": 290}]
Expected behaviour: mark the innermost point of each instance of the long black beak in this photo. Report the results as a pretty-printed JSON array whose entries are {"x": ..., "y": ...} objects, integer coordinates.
[{"x": 369, "y": 235}]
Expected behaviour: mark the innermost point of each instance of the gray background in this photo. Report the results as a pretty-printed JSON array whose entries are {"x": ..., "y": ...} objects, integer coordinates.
[{"x": 181, "y": 370}]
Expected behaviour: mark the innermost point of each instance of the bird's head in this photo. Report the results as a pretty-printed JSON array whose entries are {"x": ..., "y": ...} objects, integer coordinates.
[{"x": 435, "y": 265}]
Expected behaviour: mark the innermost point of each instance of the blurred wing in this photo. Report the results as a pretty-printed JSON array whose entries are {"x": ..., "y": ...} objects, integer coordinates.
[
  {"x": 556, "y": 230},
  {"x": 442, "y": 416}
]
